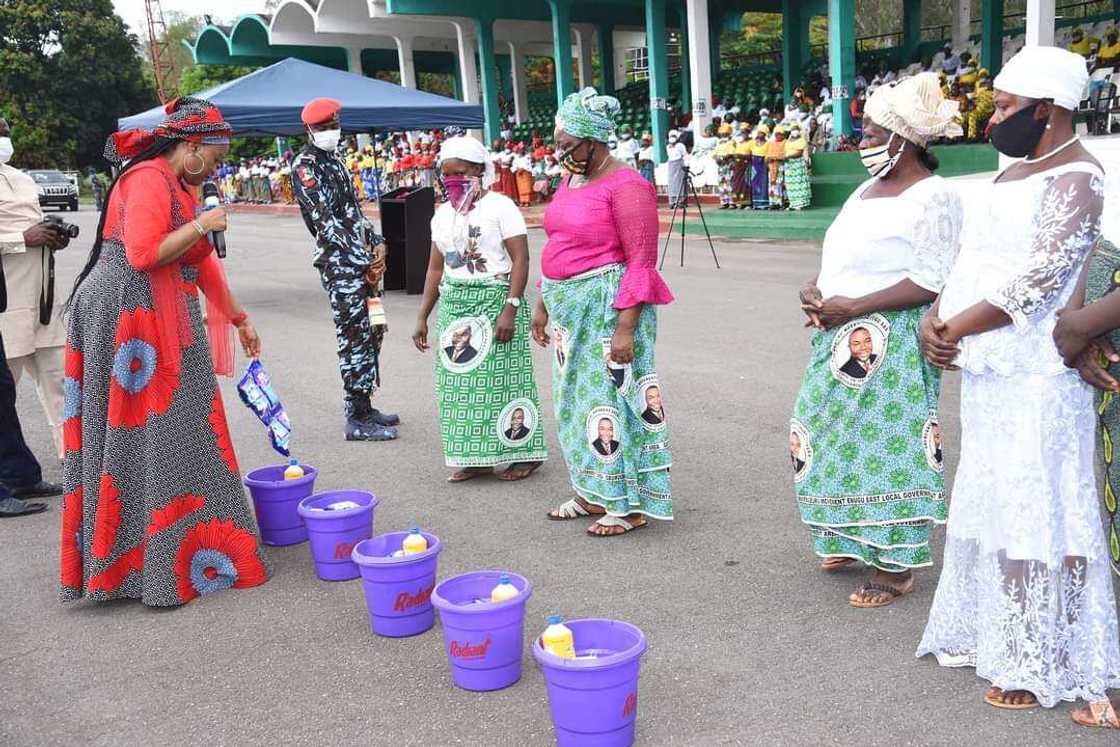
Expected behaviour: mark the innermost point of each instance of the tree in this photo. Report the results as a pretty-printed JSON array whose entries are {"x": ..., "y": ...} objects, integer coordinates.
[
  {"x": 441, "y": 84},
  {"x": 181, "y": 27},
  {"x": 68, "y": 70},
  {"x": 195, "y": 78}
]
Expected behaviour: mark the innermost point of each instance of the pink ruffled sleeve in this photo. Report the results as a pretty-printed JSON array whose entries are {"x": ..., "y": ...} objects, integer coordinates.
[{"x": 633, "y": 205}]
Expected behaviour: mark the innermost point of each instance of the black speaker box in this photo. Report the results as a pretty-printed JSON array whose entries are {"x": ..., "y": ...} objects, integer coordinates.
[{"x": 406, "y": 224}]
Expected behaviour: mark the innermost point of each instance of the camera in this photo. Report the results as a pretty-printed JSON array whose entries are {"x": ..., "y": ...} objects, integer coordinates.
[{"x": 67, "y": 229}]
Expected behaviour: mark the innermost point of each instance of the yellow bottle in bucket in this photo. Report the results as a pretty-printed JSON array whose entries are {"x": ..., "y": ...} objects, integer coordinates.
[
  {"x": 504, "y": 590},
  {"x": 294, "y": 471},
  {"x": 414, "y": 543},
  {"x": 557, "y": 638}
]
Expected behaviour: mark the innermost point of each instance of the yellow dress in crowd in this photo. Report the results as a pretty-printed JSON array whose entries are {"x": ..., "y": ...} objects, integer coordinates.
[
  {"x": 1085, "y": 46},
  {"x": 1109, "y": 55},
  {"x": 983, "y": 105}
]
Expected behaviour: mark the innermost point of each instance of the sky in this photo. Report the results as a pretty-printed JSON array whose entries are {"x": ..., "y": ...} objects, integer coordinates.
[{"x": 132, "y": 11}]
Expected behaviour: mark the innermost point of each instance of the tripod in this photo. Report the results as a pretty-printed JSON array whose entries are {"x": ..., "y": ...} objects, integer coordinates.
[{"x": 689, "y": 191}]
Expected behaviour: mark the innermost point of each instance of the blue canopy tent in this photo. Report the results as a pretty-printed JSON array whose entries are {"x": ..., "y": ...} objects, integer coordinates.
[{"x": 269, "y": 101}]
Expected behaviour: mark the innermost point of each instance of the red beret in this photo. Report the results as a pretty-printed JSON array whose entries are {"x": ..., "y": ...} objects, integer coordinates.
[{"x": 320, "y": 110}]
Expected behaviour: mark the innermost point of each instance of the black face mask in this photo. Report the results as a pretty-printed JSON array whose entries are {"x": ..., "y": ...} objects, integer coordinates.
[{"x": 1017, "y": 135}]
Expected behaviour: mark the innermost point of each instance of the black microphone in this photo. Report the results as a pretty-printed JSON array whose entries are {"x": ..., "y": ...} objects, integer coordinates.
[{"x": 211, "y": 200}]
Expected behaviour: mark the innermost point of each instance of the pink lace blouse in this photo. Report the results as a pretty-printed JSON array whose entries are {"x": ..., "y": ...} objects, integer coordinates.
[{"x": 613, "y": 219}]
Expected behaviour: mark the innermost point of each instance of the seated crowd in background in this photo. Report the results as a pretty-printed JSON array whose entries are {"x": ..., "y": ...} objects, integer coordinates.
[{"x": 385, "y": 163}]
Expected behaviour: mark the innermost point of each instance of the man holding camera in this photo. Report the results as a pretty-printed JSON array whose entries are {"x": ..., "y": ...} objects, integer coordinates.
[
  {"x": 350, "y": 258},
  {"x": 31, "y": 329}
]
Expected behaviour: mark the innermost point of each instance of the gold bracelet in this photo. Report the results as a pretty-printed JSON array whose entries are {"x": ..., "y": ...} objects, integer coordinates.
[{"x": 198, "y": 227}]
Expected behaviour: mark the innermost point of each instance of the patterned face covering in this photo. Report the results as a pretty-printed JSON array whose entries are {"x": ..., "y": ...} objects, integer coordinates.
[
  {"x": 462, "y": 191},
  {"x": 575, "y": 165},
  {"x": 878, "y": 160}
]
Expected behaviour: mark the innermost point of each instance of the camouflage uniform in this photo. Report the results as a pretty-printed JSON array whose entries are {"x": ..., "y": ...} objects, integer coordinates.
[{"x": 325, "y": 192}]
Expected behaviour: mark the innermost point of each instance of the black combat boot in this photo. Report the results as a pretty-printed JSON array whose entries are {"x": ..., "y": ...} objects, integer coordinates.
[
  {"x": 383, "y": 418},
  {"x": 359, "y": 425}
]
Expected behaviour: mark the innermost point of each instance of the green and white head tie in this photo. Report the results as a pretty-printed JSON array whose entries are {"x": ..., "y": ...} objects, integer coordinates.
[{"x": 588, "y": 115}]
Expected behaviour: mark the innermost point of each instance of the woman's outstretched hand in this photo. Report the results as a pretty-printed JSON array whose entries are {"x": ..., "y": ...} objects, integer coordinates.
[
  {"x": 250, "y": 340},
  {"x": 540, "y": 326},
  {"x": 420, "y": 335}
]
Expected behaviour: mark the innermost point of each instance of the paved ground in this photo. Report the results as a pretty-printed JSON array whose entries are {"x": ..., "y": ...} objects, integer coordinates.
[{"x": 749, "y": 642}]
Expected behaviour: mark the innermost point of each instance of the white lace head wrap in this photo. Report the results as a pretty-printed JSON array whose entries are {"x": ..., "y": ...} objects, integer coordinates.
[
  {"x": 466, "y": 148},
  {"x": 915, "y": 109},
  {"x": 1045, "y": 73}
]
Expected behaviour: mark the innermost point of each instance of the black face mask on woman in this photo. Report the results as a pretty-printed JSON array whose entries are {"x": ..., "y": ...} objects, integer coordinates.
[{"x": 1017, "y": 135}]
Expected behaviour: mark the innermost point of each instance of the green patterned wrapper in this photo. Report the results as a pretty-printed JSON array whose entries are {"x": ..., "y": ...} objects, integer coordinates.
[
  {"x": 865, "y": 443},
  {"x": 611, "y": 419},
  {"x": 489, "y": 410},
  {"x": 1104, "y": 278}
]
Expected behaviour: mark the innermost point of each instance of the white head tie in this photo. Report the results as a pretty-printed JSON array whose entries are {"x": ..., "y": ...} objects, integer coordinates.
[
  {"x": 466, "y": 148},
  {"x": 1045, "y": 73}
]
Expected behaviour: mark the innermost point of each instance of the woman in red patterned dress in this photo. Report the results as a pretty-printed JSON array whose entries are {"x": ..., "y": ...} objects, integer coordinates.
[{"x": 154, "y": 508}]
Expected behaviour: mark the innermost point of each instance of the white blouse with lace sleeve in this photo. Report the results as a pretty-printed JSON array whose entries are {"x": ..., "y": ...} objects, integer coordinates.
[
  {"x": 876, "y": 243},
  {"x": 1066, "y": 224},
  {"x": 1023, "y": 245},
  {"x": 936, "y": 239}
]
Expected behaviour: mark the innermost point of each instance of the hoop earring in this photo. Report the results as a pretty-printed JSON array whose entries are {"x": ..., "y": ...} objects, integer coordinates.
[{"x": 202, "y": 164}]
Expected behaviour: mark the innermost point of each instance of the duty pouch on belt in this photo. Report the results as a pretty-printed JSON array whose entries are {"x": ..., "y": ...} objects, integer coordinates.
[{"x": 374, "y": 306}]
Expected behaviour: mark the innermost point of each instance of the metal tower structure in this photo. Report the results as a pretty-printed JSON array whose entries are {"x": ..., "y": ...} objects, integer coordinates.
[{"x": 162, "y": 64}]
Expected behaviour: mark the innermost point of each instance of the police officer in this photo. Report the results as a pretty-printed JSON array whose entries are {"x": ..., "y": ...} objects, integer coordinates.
[{"x": 348, "y": 267}]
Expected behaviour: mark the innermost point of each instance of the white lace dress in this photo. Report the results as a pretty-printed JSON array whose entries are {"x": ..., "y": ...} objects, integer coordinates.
[{"x": 1025, "y": 595}]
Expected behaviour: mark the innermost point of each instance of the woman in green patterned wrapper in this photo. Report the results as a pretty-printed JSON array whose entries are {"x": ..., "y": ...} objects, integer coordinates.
[
  {"x": 598, "y": 297},
  {"x": 865, "y": 441},
  {"x": 488, "y": 407},
  {"x": 1088, "y": 337}
]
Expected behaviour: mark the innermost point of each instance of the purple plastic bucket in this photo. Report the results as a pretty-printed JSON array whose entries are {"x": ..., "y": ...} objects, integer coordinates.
[
  {"x": 594, "y": 698},
  {"x": 275, "y": 500},
  {"x": 334, "y": 534},
  {"x": 398, "y": 590},
  {"x": 483, "y": 639}
]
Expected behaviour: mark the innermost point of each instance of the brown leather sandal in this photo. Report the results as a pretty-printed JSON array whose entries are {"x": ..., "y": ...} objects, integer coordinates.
[
  {"x": 894, "y": 593},
  {"x": 998, "y": 697},
  {"x": 1097, "y": 715}
]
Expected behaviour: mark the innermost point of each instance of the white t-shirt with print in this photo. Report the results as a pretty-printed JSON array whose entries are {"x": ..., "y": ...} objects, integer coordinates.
[{"x": 472, "y": 244}]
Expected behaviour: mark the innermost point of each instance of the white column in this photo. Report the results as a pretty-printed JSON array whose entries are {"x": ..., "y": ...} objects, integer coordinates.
[
  {"x": 520, "y": 84},
  {"x": 583, "y": 55},
  {"x": 468, "y": 70},
  {"x": 962, "y": 23},
  {"x": 405, "y": 62},
  {"x": 1040, "y": 23},
  {"x": 700, "y": 65},
  {"x": 354, "y": 59}
]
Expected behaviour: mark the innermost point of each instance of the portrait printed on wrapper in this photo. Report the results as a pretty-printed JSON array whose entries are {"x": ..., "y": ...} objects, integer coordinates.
[
  {"x": 800, "y": 450},
  {"x": 931, "y": 439},
  {"x": 561, "y": 342},
  {"x": 603, "y": 434},
  {"x": 858, "y": 349},
  {"x": 516, "y": 422},
  {"x": 648, "y": 403},
  {"x": 465, "y": 343},
  {"x": 620, "y": 373}
]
